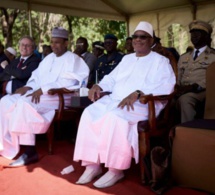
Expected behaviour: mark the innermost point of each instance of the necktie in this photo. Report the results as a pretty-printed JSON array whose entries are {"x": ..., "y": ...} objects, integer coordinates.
[
  {"x": 196, "y": 54},
  {"x": 20, "y": 63}
]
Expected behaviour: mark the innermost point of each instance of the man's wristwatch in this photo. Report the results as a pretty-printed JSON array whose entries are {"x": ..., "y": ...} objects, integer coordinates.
[{"x": 138, "y": 93}]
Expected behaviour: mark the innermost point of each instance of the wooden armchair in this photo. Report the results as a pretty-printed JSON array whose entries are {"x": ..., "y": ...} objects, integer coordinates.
[
  {"x": 153, "y": 127},
  {"x": 66, "y": 113},
  {"x": 61, "y": 114}
]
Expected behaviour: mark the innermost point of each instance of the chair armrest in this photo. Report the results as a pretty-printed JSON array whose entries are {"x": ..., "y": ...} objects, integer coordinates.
[
  {"x": 150, "y": 99},
  {"x": 146, "y": 98},
  {"x": 60, "y": 92},
  {"x": 104, "y": 93}
]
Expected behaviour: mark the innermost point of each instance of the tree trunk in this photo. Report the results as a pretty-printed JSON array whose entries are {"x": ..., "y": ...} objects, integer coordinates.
[{"x": 7, "y": 25}]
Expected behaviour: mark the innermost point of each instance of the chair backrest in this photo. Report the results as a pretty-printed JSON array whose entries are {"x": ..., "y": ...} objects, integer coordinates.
[
  {"x": 210, "y": 92},
  {"x": 165, "y": 52}
]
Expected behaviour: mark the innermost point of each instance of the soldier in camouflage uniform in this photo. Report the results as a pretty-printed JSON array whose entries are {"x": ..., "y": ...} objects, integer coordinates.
[{"x": 192, "y": 71}]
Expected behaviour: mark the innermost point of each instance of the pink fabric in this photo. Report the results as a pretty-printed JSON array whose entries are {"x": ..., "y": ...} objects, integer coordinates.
[{"x": 108, "y": 141}]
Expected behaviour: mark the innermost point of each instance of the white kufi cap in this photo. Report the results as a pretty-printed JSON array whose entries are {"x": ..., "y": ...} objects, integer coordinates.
[
  {"x": 145, "y": 26},
  {"x": 11, "y": 50}
]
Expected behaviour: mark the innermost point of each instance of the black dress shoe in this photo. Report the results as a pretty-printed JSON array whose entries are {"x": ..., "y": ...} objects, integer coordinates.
[{"x": 24, "y": 159}]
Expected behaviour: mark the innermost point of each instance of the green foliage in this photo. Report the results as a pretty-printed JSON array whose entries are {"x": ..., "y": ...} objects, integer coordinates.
[
  {"x": 176, "y": 37},
  {"x": 20, "y": 27},
  {"x": 95, "y": 29},
  {"x": 42, "y": 24}
]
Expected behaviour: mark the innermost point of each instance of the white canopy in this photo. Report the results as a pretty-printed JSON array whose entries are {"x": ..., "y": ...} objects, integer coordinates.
[
  {"x": 126, "y": 10},
  {"x": 160, "y": 13}
]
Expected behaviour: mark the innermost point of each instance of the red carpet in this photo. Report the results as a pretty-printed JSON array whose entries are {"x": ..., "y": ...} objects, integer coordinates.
[{"x": 44, "y": 177}]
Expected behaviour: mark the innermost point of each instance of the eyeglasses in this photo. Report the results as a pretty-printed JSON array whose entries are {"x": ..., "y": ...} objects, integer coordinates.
[
  {"x": 25, "y": 45},
  {"x": 142, "y": 37}
]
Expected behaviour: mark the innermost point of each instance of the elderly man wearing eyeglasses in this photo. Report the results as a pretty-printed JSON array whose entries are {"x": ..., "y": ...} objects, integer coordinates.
[
  {"x": 107, "y": 132},
  {"x": 17, "y": 73}
]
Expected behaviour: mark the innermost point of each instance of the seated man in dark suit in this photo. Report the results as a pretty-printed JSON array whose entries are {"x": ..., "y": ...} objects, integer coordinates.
[{"x": 16, "y": 74}]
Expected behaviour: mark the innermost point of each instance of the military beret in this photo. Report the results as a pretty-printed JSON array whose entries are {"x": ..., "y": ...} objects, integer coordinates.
[
  {"x": 110, "y": 36},
  {"x": 60, "y": 32},
  {"x": 98, "y": 44},
  {"x": 200, "y": 25}
]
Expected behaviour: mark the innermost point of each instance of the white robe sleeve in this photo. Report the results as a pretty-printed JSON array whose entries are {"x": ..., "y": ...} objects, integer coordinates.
[
  {"x": 162, "y": 78},
  {"x": 74, "y": 72},
  {"x": 108, "y": 82},
  {"x": 33, "y": 80}
]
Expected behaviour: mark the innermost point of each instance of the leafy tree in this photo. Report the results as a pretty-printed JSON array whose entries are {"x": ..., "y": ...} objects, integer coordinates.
[
  {"x": 177, "y": 37},
  {"x": 95, "y": 29},
  {"x": 8, "y": 18},
  {"x": 14, "y": 24}
]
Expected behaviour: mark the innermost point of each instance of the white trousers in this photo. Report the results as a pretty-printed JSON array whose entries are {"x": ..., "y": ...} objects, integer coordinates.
[
  {"x": 108, "y": 134},
  {"x": 20, "y": 120}
]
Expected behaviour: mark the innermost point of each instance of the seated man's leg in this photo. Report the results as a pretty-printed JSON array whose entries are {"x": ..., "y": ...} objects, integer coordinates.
[
  {"x": 23, "y": 118},
  {"x": 186, "y": 104},
  {"x": 30, "y": 154},
  {"x": 7, "y": 105},
  {"x": 108, "y": 139},
  {"x": 92, "y": 171},
  {"x": 109, "y": 178},
  {"x": 33, "y": 119},
  {"x": 102, "y": 145}
]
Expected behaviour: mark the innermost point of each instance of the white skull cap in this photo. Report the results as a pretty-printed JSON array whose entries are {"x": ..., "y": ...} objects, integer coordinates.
[
  {"x": 145, "y": 26},
  {"x": 11, "y": 50}
]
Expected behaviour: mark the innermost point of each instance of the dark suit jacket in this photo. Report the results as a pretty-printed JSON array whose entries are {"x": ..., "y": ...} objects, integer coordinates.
[
  {"x": 3, "y": 57},
  {"x": 21, "y": 74}
]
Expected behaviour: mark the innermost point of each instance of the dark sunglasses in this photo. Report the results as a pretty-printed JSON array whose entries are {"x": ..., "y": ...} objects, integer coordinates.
[{"x": 142, "y": 37}]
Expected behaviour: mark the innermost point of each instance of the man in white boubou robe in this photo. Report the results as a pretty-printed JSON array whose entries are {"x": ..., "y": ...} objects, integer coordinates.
[
  {"x": 107, "y": 130},
  {"x": 31, "y": 110}
]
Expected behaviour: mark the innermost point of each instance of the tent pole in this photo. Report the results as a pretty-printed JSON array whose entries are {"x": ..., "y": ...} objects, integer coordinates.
[
  {"x": 194, "y": 9},
  {"x": 29, "y": 20},
  {"x": 127, "y": 26},
  {"x": 158, "y": 25}
]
